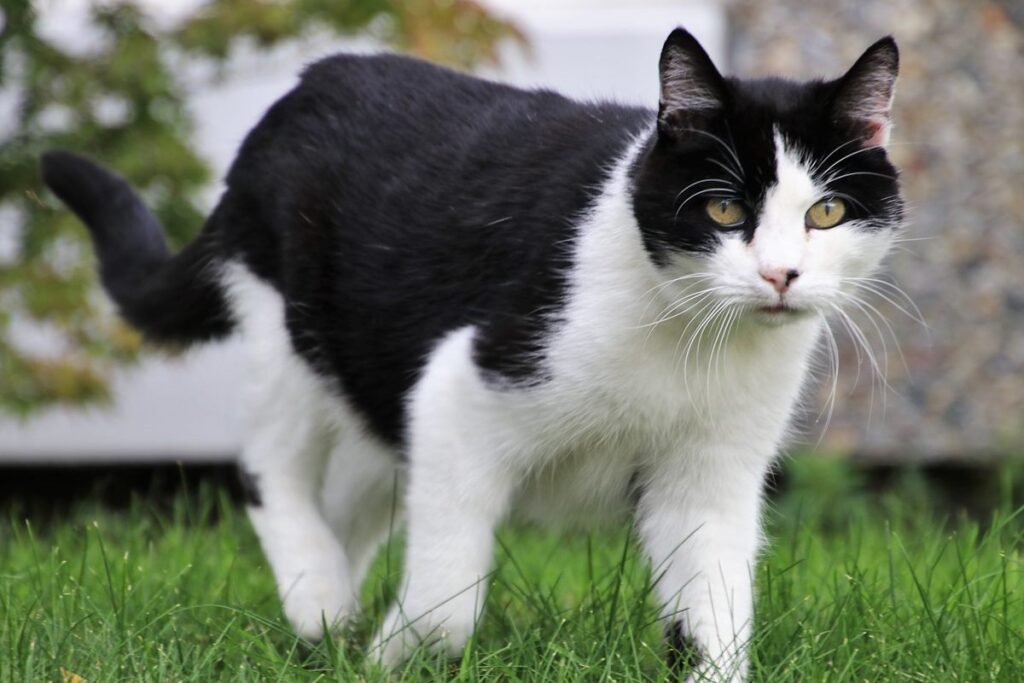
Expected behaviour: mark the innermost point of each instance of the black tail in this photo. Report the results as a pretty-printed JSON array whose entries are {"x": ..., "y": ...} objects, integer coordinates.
[{"x": 170, "y": 298}]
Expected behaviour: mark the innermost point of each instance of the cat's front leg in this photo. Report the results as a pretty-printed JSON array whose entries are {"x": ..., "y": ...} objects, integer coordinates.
[
  {"x": 458, "y": 490},
  {"x": 454, "y": 500},
  {"x": 698, "y": 518}
]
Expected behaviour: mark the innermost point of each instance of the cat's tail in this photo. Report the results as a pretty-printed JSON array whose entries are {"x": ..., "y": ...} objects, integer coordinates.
[{"x": 170, "y": 298}]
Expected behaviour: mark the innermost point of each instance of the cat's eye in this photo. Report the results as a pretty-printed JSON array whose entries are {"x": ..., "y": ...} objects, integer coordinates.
[
  {"x": 728, "y": 213},
  {"x": 827, "y": 213}
]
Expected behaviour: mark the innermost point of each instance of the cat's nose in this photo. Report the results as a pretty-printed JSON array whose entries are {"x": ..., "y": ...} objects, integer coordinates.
[{"x": 779, "y": 278}]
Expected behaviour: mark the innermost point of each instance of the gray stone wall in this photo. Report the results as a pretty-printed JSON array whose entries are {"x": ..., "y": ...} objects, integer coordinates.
[{"x": 959, "y": 140}]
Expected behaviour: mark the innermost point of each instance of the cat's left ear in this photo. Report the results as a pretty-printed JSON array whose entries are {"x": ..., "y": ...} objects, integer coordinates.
[
  {"x": 864, "y": 95},
  {"x": 692, "y": 90}
]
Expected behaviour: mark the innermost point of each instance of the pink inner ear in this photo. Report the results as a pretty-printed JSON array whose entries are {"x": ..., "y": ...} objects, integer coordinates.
[{"x": 876, "y": 132}]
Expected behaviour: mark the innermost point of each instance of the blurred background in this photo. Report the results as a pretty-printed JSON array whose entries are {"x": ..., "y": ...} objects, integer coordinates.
[{"x": 165, "y": 90}]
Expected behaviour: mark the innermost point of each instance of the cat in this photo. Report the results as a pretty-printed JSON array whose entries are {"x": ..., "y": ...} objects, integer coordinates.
[{"x": 466, "y": 302}]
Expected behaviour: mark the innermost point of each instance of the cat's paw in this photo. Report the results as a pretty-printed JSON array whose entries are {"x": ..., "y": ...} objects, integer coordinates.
[
  {"x": 311, "y": 604},
  {"x": 400, "y": 636}
]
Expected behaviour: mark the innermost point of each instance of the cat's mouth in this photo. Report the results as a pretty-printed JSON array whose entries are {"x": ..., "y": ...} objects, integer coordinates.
[
  {"x": 780, "y": 310},
  {"x": 780, "y": 307}
]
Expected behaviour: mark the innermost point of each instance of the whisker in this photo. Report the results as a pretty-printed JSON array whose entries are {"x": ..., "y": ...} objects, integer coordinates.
[
  {"x": 699, "y": 317},
  {"x": 851, "y": 154},
  {"x": 856, "y": 337},
  {"x": 696, "y": 337},
  {"x": 856, "y": 347},
  {"x": 814, "y": 169},
  {"x": 697, "y": 194},
  {"x": 830, "y": 403},
  {"x": 718, "y": 347},
  {"x": 698, "y": 182},
  {"x": 915, "y": 316},
  {"x": 732, "y": 152},
  {"x": 851, "y": 174},
  {"x": 872, "y": 312},
  {"x": 899, "y": 240},
  {"x": 728, "y": 170},
  {"x": 732, "y": 148},
  {"x": 872, "y": 283},
  {"x": 862, "y": 307},
  {"x": 673, "y": 311},
  {"x": 695, "y": 300},
  {"x": 852, "y": 200},
  {"x": 861, "y": 339},
  {"x": 651, "y": 293},
  {"x": 905, "y": 250},
  {"x": 666, "y": 283},
  {"x": 704, "y": 306}
]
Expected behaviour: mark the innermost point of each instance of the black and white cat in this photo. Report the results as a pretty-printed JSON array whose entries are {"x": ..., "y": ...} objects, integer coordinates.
[{"x": 493, "y": 302}]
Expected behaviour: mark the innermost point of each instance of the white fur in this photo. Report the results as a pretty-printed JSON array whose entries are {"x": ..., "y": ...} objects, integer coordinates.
[
  {"x": 875, "y": 108},
  {"x": 295, "y": 423},
  {"x": 682, "y": 88},
  {"x": 692, "y": 420}
]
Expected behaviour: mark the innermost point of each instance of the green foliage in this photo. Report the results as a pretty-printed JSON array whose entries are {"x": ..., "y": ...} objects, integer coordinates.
[
  {"x": 853, "y": 586},
  {"x": 123, "y": 103}
]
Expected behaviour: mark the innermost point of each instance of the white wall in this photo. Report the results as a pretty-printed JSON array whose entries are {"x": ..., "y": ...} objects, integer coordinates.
[{"x": 186, "y": 408}]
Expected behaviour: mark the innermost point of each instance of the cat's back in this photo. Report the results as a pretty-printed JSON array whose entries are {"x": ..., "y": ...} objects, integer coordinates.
[
  {"x": 392, "y": 201},
  {"x": 385, "y": 114},
  {"x": 392, "y": 85},
  {"x": 384, "y": 106}
]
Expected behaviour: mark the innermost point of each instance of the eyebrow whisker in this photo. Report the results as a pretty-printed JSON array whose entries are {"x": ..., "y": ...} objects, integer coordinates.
[
  {"x": 726, "y": 169},
  {"x": 851, "y": 154}
]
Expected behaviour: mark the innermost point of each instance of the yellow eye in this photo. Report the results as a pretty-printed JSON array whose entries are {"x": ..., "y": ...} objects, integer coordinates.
[
  {"x": 826, "y": 214},
  {"x": 727, "y": 212}
]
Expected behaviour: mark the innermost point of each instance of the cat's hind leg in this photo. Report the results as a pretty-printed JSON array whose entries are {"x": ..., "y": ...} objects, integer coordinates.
[
  {"x": 288, "y": 436},
  {"x": 361, "y": 495}
]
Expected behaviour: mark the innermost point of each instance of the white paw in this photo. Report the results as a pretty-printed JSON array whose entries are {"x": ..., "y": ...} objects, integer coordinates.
[
  {"x": 400, "y": 636},
  {"x": 311, "y": 603}
]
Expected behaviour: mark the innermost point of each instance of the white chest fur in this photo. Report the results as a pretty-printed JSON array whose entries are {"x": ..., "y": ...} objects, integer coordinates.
[
  {"x": 623, "y": 395},
  {"x": 625, "y": 391}
]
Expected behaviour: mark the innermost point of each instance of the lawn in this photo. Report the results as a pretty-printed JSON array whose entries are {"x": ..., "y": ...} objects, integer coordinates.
[{"x": 854, "y": 586}]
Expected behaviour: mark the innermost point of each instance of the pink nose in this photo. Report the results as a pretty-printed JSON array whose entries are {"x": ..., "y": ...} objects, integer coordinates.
[{"x": 779, "y": 278}]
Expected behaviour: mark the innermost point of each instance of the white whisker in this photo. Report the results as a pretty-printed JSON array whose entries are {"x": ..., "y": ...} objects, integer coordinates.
[
  {"x": 697, "y": 194},
  {"x": 830, "y": 403},
  {"x": 873, "y": 283},
  {"x": 727, "y": 169},
  {"x": 851, "y": 154},
  {"x": 678, "y": 310},
  {"x": 851, "y": 174},
  {"x": 679, "y": 194},
  {"x": 732, "y": 152},
  {"x": 815, "y": 167},
  {"x": 871, "y": 312}
]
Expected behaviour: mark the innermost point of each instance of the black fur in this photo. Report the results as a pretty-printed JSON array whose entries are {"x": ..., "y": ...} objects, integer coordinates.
[
  {"x": 391, "y": 202},
  {"x": 250, "y": 488},
  {"x": 811, "y": 116},
  {"x": 172, "y": 299},
  {"x": 683, "y": 655}
]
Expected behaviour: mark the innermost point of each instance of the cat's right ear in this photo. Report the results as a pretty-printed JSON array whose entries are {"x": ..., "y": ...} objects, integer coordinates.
[
  {"x": 864, "y": 96},
  {"x": 692, "y": 90}
]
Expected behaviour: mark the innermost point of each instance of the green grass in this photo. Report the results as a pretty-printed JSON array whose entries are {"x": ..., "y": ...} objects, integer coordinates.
[{"x": 852, "y": 587}]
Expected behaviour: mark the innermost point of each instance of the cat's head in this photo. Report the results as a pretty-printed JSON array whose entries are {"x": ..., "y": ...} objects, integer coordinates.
[{"x": 768, "y": 196}]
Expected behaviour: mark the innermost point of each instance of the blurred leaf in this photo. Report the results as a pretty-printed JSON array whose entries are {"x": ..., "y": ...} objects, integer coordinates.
[{"x": 70, "y": 677}]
